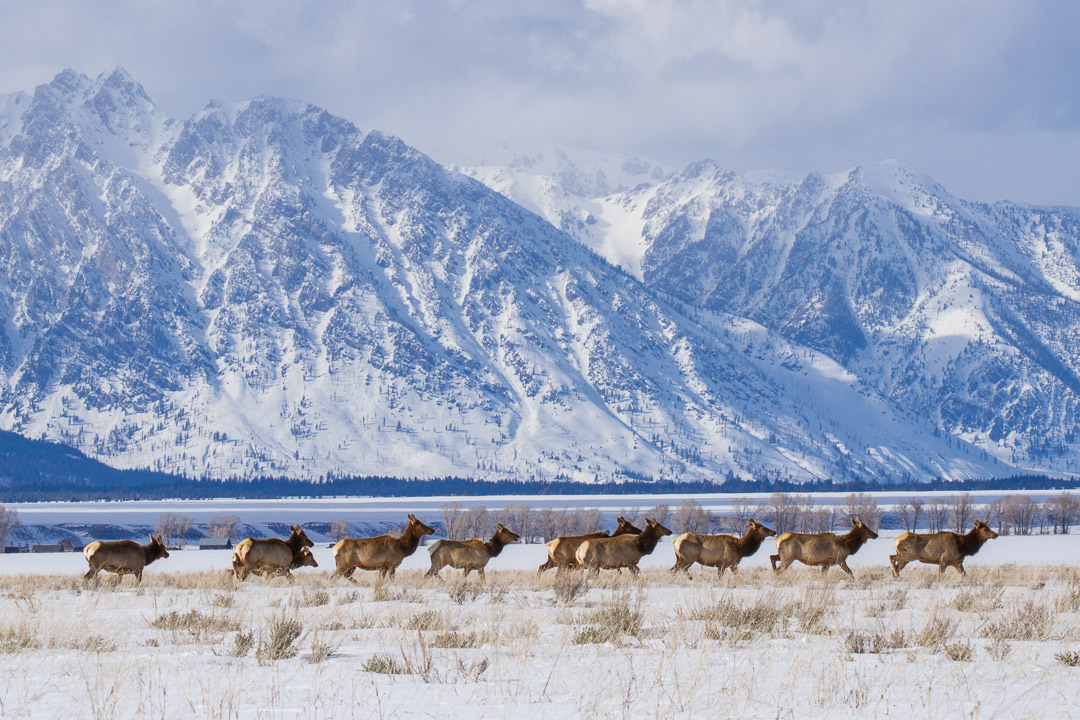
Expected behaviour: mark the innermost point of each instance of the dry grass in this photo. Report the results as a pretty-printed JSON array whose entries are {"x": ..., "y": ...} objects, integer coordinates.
[
  {"x": 936, "y": 632},
  {"x": 1029, "y": 621},
  {"x": 612, "y": 621},
  {"x": 279, "y": 641},
  {"x": 1068, "y": 657},
  {"x": 195, "y": 626},
  {"x": 454, "y": 639},
  {"x": 242, "y": 643},
  {"x": 428, "y": 620},
  {"x": 456, "y": 634},
  {"x": 17, "y": 638},
  {"x": 568, "y": 587}
]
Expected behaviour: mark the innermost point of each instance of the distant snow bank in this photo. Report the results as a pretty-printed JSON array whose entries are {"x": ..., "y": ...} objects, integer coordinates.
[{"x": 1017, "y": 550}]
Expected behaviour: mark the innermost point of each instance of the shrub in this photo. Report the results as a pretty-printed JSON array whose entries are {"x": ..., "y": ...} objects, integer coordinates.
[
  {"x": 1069, "y": 657},
  {"x": 1031, "y": 621},
  {"x": 959, "y": 651},
  {"x": 858, "y": 643},
  {"x": 568, "y": 586},
  {"x": 279, "y": 643},
  {"x": 242, "y": 643}
]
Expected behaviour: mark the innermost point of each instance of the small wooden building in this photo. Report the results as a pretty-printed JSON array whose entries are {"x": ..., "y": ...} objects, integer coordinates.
[
  {"x": 215, "y": 543},
  {"x": 65, "y": 545}
]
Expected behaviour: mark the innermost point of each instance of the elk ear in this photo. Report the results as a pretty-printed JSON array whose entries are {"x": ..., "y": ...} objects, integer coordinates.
[
  {"x": 152, "y": 538},
  {"x": 411, "y": 516}
]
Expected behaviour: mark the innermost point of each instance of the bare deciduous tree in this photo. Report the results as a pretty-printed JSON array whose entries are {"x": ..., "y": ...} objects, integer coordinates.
[
  {"x": 518, "y": 518},
  {"x": 864, "y": 507},
  {"x": 961, "y": 511},
  {"x": 783, "y": 511},
  {"x": 223, "y": 526},
  {"x": 9, "y": 521},
  {"x": 910, "y": 513},
  {"x": 548, "y": 522},
  {"x": 1020, "y": 513},
  {"x": 453, "y": 520},
  {"x": 659, "y": 513},
  {"x": 339, "y": 529},
  {"x": 1061, "y": 512},
  {"x": 995, "y": 513},
  {"x": 478, "y": 522},
  {"x": 172, "y": 527},
  {"x": 690, "y": 517},
  {"x": 937, "y": 515}
]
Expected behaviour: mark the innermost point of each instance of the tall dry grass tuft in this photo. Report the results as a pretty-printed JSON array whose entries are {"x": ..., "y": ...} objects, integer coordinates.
[
  {"x": 612, "y": 621},
  {"x": 568, "y": 586},
  {"x": 279, "y": 641},
  {"x": 936, "y": 632},
  {"x": 1029, "y": 621},
  {"x": 195, "y": 626}
]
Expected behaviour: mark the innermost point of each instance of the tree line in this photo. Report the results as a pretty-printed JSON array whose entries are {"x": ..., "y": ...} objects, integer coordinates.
[{"x": 784, "y": 512}]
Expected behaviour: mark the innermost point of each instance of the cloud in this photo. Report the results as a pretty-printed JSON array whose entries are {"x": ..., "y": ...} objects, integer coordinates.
[{"x": 955, "y": 89}]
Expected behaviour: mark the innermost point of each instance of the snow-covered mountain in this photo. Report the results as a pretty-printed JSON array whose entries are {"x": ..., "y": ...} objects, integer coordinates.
[
  {"x": 962, "y": 313},
  {"x": 264, "y": 288}
]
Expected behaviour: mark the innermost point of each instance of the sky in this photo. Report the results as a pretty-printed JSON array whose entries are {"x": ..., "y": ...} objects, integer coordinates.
[{"x": 982, "y": 95}]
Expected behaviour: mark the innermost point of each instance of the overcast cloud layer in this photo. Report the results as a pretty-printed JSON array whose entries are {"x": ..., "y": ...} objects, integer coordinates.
[{"x": 981, "y": 95}]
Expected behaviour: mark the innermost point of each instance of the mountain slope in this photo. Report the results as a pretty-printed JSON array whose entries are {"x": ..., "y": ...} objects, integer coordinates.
[
  {"x": 266, "y": 289},
  {"x": 963, "y": 313}
]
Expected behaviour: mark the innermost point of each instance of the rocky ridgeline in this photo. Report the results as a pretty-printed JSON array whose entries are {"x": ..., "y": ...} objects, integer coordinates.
[{"x": 266, "y": 289}]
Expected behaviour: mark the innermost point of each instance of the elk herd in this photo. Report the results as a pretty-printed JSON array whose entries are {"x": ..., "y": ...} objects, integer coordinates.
[{"x": 592, "y": 552}]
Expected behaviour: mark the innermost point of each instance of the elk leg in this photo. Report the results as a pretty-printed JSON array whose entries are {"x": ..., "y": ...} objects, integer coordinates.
[
  {"x": 960, "y": 567},
  {"x": 845, "y": 568},
  {"x": 633, "y": 570},
  {"x": 773, "y": 559},
  {"x": 941, "y": 568},
  {"x": 546, "y": 566},
  {"x": 92, "y": 572},
  {"x": 468, "y": 569},
  {"x": 824, "y": 569},
  {"x": 893, "y": 559},
  {"x": 480, "y": 572},
  {"x": 138, "y": 576}
]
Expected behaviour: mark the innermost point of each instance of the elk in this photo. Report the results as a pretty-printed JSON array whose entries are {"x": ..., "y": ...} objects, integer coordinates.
[
  {"x": 303, "y": 559},
  {"x": 270, "y": 554},
  {"x": 723, "y": 552},
  {"x": 469, "y": 554},
  {"x": 383, "y": 552},
  {"x": 941, "y": 548},
  {"x": 821, "y": 549},
  {"x": 561, "y": 550},
  {"x": 123, "y": 557},
  {"x": 624, "y": 551}
]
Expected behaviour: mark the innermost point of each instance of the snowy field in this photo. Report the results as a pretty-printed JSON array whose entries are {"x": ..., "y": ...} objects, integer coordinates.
[{"x": 190, "y": 642}]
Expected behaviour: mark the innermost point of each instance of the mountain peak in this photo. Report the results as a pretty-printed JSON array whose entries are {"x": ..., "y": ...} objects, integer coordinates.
[{"x": 69, "y": 83}]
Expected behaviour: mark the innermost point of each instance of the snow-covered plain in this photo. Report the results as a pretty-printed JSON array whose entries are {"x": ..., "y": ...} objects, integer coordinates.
[{"x": 992, "y": 644}]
